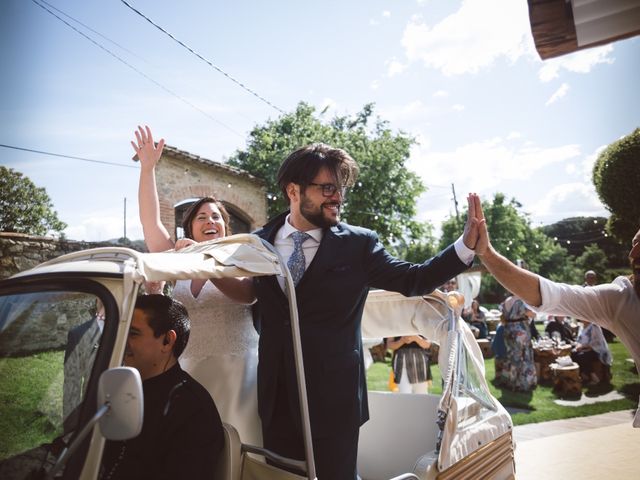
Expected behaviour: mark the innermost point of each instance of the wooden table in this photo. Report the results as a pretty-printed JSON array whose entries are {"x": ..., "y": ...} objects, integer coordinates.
[
  {"x": 492, "y": 324},
  {"x": 544, "y": 357},
  {"x": 566, "y": 380},
  {"x": 485, "y": 347}
]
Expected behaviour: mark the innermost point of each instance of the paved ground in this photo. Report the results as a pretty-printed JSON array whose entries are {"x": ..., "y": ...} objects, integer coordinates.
[{"x": 602, "y": 446}]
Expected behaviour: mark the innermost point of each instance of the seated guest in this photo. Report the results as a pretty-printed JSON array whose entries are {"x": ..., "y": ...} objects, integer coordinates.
[
  {"x": 182, "y": 435},
  {"x": 500, "y": 354},
  {"x": 450, "y": 285},
  {"x": 591, "y": 347},
  {"x": 411, "y": 369},
  {"x": 557, "y": 324},
  {"x": 476, "y": 320}
]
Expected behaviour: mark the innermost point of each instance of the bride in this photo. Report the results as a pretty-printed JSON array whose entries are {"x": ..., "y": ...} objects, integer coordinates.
[{"x": 222, "y": 353}]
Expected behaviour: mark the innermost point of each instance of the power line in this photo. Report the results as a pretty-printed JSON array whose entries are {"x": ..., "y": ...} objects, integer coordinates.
[
  {"x": 208, "y": 62},
  {"x": 184, "y": 100},
  {"x": 92, "y": 30},
  {"x": 67, "y": 156}
]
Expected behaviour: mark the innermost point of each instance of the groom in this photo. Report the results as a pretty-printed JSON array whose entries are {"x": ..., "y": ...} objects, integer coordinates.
[{"x": 336, "y": 264}]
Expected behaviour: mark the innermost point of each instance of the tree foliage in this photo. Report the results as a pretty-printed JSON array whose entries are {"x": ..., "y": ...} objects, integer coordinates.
[
  {"x": 616, "y": 176},
  {"x": 511, "y": 235},
  {"x": 593, "y": 258},
  {"x": 576, "y": 234},
  {"x": 25, "y": 208},
  {"x": 384, "y": 196}
]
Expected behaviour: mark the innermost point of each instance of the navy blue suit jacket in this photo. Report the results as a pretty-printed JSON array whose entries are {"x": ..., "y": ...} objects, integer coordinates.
[{"x": 331, "y": 297}]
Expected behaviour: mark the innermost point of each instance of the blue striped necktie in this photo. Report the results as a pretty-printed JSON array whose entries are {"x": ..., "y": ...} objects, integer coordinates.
[{"x": 297, "y": 262}]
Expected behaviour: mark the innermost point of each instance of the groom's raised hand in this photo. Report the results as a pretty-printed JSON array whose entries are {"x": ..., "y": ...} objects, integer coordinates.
[{"x": 475, "y": 228}]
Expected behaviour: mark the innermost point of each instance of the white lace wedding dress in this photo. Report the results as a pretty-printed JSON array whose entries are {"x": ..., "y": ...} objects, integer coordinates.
[{"x": 222, "y": 354}]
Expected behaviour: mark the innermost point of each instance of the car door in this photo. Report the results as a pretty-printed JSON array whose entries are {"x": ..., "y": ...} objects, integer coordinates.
[{"x": 56, "y": 338}]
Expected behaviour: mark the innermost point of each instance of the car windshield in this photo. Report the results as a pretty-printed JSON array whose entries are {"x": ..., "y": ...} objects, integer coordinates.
[
  {"x": 48, "y": 344},
  {"x": 473, "y": 400}
]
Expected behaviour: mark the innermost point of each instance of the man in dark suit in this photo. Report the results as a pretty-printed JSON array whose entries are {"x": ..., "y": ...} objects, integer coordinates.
[{"x": 340, "y": 263}]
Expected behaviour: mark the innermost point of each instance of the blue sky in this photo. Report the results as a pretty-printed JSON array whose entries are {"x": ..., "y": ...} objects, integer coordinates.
[{"x": 462, "y": 77}]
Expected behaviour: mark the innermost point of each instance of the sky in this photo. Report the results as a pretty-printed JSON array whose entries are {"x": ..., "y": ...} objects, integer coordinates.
[{"x": 462, "y": 77}]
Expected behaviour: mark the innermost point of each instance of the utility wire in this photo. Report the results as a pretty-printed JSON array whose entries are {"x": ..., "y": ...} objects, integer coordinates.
[
  {"x": 208, "y": 62},
  {"x": 67, "y": 156},
  {"x": 92, "y": 30},
  {"x": 184, "y": 100}
]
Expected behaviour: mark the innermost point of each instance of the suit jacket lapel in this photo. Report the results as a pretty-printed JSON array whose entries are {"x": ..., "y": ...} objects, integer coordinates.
[{"x": 325, "y": 256}]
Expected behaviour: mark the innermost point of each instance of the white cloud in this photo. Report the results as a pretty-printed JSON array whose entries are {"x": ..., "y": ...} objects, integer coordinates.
[
  {"x": 374, "y": 22},
  {"x": 105, "y": 226},
  {"x": 586, "y": 168},
  {"x": 472, "y": 38},
  {"x": 375, "y": 84},
  {"x": 558, "y": 94},
  {"x": 441, "y": 94},
  {"x": 395, "y": 67},
  {"x": 582, "y": 61},
  {"x": 572, "y": 199},
  {"x": 500, "y": 162},
  {"x": 408, "y": 113},
  {"x": 457, "y": 107},
  {"x": 518, "y": 168},
  {"x": 514, "y": 135}
]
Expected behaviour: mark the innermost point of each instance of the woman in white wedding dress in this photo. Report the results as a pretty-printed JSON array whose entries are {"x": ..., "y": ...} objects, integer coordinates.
[{"x": 222, "y": 353}]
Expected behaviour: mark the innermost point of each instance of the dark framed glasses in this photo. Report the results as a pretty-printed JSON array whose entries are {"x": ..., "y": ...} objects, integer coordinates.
[{"x": 329, "y": 189}]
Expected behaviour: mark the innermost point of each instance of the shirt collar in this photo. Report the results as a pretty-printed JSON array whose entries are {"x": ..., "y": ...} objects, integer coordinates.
[{"x": 288, "y": 229}]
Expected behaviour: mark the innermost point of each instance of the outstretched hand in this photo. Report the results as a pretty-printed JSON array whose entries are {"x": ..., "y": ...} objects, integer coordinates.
[
  {"x": 475, "y": 235},
  {"x": 146, "y": 150}
]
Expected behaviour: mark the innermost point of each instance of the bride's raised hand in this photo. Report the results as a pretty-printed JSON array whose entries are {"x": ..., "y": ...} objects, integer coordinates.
[{"x": 146, "y": 150}]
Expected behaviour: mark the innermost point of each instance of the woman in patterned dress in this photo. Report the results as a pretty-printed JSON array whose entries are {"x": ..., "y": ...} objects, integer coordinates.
[{"x": 518, "y": 369}]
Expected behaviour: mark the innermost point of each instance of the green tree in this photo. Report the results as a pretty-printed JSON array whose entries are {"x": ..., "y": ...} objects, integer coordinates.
[
  {"x": 512, "y": 236},
  {"x": 25, "y": 208},
  {"x": 417, "y": 251},
  {"x": 593, "y": 258},
  {"x": 616, "y": 176},
  {"x": 577, "y": 233},
  {"x": 384, "y": 196}
]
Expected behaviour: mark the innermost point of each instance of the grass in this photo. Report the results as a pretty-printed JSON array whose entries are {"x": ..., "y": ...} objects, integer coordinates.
[
  {"x": 30, "y": 401},
  {"x": 539, "y": 405}
]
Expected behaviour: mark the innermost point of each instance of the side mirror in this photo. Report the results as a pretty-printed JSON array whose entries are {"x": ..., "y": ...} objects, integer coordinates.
[{"x": 121, "y": 388}]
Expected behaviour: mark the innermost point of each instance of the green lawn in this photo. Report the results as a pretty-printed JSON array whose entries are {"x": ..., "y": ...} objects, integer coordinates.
[
  {"x": 30, "y": 401},
  {"x": 538, "y": 406}
]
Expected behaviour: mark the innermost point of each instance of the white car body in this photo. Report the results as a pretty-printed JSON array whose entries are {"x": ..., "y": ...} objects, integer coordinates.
[{"x": 465, "y": 433}]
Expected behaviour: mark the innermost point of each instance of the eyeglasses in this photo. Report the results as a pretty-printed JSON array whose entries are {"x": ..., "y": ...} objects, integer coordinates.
[{"x": 329, "y": 189}]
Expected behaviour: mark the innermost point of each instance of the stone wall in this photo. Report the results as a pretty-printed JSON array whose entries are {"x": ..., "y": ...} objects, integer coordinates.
[
  {"x": 44, "y": 324},
  {"x": 20, "y": 252},
  {"x": 181, "y": 176}
]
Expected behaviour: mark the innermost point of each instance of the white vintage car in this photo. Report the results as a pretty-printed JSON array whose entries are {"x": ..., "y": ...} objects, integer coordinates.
[{"x": 465, "y": 433}]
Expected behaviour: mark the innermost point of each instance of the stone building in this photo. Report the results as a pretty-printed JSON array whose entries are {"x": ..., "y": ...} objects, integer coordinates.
[{"x": 182, "y": 177}]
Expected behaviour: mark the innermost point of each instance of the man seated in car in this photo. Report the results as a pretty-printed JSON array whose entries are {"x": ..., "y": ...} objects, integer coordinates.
[{"x": 182, "y": 434}]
